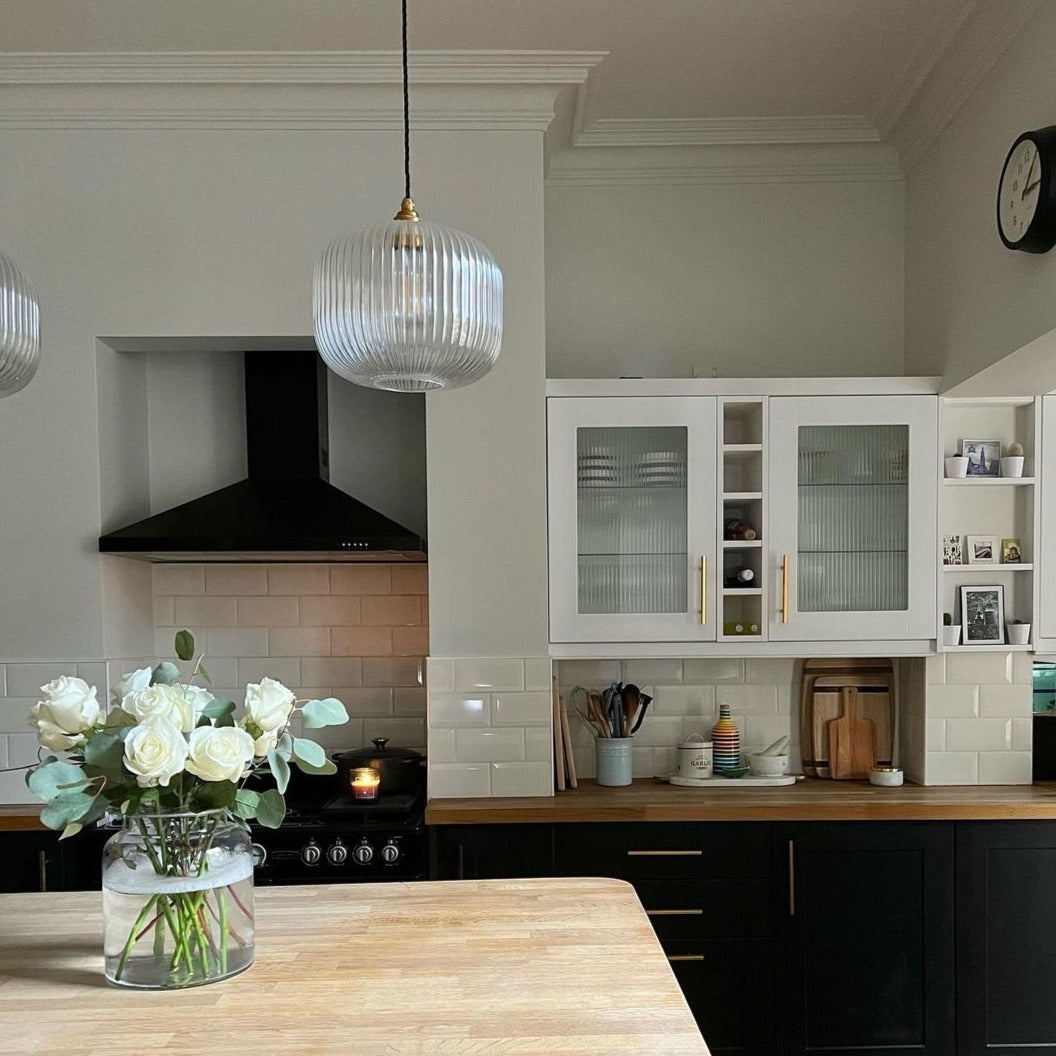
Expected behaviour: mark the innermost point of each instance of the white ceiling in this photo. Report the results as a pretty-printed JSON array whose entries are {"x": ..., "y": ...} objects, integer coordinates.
[{"x": 667, "y": 59}]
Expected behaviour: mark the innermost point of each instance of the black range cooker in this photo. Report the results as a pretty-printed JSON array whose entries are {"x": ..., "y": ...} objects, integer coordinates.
[{"x": 343, "y": 840}]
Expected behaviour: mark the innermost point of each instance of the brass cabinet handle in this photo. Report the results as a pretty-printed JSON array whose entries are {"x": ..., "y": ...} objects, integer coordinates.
[
  {"x": 42, "y": 865},
  {"x": 791, "y": 878},
  {"x": 784, "y": 589},
  {"x": 703, "y": 589},
  {"x": 672, "y": 957},
  {"x": 664, "y": 854},
  {"x": 674, "y": 912}
]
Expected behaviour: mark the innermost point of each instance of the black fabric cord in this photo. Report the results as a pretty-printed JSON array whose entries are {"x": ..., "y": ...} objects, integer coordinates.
[{"x": 406, "y": 115}]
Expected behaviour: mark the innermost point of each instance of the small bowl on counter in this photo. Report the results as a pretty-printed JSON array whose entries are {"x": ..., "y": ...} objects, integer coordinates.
[
  {"x": 885, "y": 776},
  {"x": 769, "y": 765}
]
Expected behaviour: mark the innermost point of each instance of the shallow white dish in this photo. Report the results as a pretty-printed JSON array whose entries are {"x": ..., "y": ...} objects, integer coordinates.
[{"x": 748, "y": 781}]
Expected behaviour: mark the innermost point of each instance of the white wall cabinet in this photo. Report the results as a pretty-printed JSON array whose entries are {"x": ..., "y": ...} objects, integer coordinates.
[
  {"x": 851, "y": 485},
  {"x": 632, "y": 519}
]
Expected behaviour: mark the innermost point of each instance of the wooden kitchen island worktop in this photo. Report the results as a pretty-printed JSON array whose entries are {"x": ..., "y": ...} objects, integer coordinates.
[
  {"x": 493, "y": 966},
  {"x": 807, "y": 800}
]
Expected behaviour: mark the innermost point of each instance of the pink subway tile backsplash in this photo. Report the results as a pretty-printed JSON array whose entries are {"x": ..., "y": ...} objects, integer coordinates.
[
  {"x": 237, "y": 641},
  {"x": 285, "y": 669},
  {"x": 178, "y": 579},
  {"x": 267, "y": 612},
  {"x": 332, "y": 671},
  {"x": 362, "y": 701},
  {"x": 410, "y": 641},
  {"x": 299, "y": 641},
  {"x": 360, "y": 579},
  {"x": 330, "y": 610},
  {"x": 298, "y": 579},
  {"x": 203, "y": 611},
  {"x": 410, "y": 579},
  {"x": 393, "y": 671},
  {"x": 236, "y": 579},
  {"x": 391, "y": 610},
  {"x": 361, "y": 641}
]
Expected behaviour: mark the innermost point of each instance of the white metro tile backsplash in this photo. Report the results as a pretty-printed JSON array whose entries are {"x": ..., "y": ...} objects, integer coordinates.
[
  {"x": 763, "y": 696},
  {"x": 490, "y": 726}
]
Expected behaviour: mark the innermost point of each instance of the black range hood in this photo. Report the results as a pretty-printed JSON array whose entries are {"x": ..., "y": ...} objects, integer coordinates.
[{"x": 285, "y": 510}]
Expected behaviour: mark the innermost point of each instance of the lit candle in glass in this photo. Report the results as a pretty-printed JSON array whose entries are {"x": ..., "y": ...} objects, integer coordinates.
[{"x": 365, "y": 782}]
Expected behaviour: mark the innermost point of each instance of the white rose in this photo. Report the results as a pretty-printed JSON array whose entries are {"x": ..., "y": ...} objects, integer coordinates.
[
  {"x": 68, "y": 709},
  {"x": 268, "y": 705},
  {"x": 196, "y": 697},
  {"x": 163, "y": 702},
  {"x": 219, "y": 753},
  {"x": 155, "y": 751},
  {"x": 265, "y": 741},
  {"x": 131, "y": 682}
]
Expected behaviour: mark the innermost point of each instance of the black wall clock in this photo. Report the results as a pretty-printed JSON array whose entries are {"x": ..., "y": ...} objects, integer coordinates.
[{"x": 1026, "y": 195}]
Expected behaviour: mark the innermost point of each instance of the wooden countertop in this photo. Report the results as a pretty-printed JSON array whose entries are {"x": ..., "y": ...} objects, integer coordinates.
[
  {"x": 20, "y": 816},
  {"x": 492, "y": 966},
  {"x": 807, "y": 800}
]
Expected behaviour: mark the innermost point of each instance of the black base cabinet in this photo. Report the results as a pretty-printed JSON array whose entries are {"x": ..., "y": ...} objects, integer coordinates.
[
  {"x": 706, "y": 889},
  {"x": 33, "y": 861},
  {"x": 1006, "y": 938},
  {"x": 864, "y": 938},
  {"x": 490, "y": 852}
]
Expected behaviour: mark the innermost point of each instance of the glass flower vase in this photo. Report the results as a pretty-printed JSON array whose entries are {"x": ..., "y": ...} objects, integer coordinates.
[{"x": 177, "y": 900}]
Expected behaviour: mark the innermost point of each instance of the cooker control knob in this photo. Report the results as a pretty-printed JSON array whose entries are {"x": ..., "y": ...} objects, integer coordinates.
[
  {"x": 363, "y": 853},
  {"x": 337, "y": 853},
  {"x": 390, "y": 853},
  {"x": 260, "y": 855},
  {"x": 310, "y": 853}
]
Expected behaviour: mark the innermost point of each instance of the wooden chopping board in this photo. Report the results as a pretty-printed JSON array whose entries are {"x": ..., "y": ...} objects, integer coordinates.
[
  {"x": 852, "y": 740},
  {"x": 821, "y": 702}
]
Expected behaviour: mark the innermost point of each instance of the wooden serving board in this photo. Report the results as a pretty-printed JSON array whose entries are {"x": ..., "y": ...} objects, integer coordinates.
[{"x": 852, "y": 740}]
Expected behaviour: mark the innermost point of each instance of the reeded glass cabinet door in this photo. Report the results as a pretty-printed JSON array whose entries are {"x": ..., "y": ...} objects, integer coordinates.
[
  {"x": 853, "y": 517},
  {"x": 632, "y": 518}
]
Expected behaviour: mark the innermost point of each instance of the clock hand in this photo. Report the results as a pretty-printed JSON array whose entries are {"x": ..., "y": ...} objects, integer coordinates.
[{"x": 1029, "y": 188}]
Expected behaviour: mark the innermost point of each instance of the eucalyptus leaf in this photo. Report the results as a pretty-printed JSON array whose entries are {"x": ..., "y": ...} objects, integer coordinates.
[
  {"x": 72, "y": 829},
  {"x": 247, "y": 803},
  {"x": 225, "y": 720},
  {"x": 55, "y": 779},
  {"x": 328, "y": 767},
  {"x": 280, "y": 770},
  {"x": 216, "y": 795},
  {"x": 119, "y": 719},
  {"x": 326, "y": 712},
  {"x": 271, "y": 809},
  {"x": 104, "y": 754},
  {"x": 305, "y": 751},
  {"x": 199, "y": 669},
  {"x": 67, "y": 808},
  {"x": 184, "y": 645},
  {"x": 218, "y": 707},
  {"x": 284, "y": 746},
  {"x": 164, "y": 674}
]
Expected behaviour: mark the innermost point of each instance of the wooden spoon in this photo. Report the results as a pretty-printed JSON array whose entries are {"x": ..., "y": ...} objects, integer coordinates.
[{"x": 631, "y": 698}]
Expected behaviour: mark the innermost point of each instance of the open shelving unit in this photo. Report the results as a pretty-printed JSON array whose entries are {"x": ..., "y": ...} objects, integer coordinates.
[
  {"x": 1002, "y": 507},
  {"x": 742, "y": 458}
]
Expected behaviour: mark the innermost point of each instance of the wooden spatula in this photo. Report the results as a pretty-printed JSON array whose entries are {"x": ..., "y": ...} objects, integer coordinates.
[{"x": 852, "y": 740}]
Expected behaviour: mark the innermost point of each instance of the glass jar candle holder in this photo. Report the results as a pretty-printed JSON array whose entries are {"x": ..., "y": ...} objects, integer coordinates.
[{"x": 365, "y": 783}]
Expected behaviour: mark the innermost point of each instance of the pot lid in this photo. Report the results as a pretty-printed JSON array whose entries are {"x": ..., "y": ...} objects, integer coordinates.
[{"x": 379, "y": 751}]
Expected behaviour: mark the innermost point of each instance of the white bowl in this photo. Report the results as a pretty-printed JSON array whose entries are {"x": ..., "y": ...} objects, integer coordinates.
[{"x": 769, "y": 765}]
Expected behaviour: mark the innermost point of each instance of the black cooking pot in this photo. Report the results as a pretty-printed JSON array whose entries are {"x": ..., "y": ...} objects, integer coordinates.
[{"x": 400, "y": 769}]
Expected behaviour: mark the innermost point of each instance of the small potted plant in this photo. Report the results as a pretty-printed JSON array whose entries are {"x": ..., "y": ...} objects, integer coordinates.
[
  {"x": 1012, "y": 462},
  {"x": 1018, "y": 632},
  {"x": 957, "y": 466},
  {"x": 951, "y": 632}
]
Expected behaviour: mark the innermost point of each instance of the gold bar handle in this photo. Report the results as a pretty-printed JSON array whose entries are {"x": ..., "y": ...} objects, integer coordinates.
[
  {"x": 703, "y": 589},
  {"x": 42, "y": 866},
  {"x": 784, "y": 589},
  {"x": 664, "y": 854},
  {"x": 791, "y": 878},
  {"x": 673, "y": 957},
  {"x": 674, "y": 912}
]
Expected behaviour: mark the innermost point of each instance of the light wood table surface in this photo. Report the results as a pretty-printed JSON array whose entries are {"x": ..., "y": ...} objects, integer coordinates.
[{"x": 420, "y": 969}]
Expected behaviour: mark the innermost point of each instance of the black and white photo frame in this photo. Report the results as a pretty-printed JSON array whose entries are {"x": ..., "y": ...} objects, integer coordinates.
[{"x": 983, "y": 615}]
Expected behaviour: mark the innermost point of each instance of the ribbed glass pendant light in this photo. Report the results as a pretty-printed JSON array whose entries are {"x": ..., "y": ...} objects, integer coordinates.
[
  {"x": 407, "y": 305},
  {"x": 19, "y": 329}
]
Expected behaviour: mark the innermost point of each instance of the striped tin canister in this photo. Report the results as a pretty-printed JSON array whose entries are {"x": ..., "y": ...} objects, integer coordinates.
[{"x": 726, "y": 741}]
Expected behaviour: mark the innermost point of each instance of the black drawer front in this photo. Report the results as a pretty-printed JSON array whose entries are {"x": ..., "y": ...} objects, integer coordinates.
[
  {"x": 728, "y": 987},
  {"x": 707, "y": 909},
  {"x": 664, "y": 851}
]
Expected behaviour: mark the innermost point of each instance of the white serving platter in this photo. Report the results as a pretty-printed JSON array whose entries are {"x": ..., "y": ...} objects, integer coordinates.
[{"x": 748, "y": 781}]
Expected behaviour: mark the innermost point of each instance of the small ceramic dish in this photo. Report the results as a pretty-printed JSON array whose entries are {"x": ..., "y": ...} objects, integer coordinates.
[
  {"x": 769, "y": 765},
  {"x": 735, "y": 771},
  {"x": 885, "y": 776}
]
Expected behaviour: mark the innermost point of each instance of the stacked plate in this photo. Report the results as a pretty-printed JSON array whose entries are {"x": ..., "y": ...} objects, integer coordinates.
[
  {"x": 660, "y": 469},
  {"x": 596, "y": 467}
]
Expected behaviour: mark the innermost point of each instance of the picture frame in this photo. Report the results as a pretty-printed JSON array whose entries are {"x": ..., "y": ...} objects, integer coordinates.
[
  {"x": 984, "y": 457},
  {"x": 982, "y": 550},
  {"x": 983, "y": 615},
  {"x": 1011, "y": 552},
  {"x": 953, "y": 549}
]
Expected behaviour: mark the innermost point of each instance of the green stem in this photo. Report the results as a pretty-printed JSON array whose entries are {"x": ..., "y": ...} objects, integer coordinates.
[
  {"x": 127, "y": 951},
  {"x": 221, "y": 903}
]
